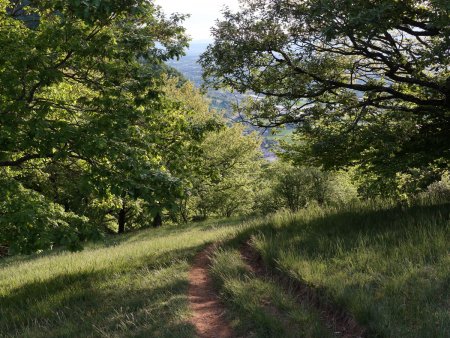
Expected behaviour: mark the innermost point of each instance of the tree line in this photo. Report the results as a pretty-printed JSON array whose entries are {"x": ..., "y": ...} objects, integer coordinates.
[{"x": 98, "y": 134}]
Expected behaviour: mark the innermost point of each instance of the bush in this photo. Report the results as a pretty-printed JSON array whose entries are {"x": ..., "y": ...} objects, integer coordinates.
[
  {"x": 294, "y": 188},
  {"x": 440, "y": 190},
  {"x": 30, "y": 223}
]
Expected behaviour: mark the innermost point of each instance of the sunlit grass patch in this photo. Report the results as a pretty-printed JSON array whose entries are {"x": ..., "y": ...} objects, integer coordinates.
[{"x": 133, "y": 285}]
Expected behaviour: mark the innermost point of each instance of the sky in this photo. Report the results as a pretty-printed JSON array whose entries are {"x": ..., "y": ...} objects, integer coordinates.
[{"x": 203, "y": 14}]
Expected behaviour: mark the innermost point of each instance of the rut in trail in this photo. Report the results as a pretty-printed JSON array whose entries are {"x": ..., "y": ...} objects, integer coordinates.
[
  {"x": 208, "y": 312},
  {"x": 342, "y": 323}
]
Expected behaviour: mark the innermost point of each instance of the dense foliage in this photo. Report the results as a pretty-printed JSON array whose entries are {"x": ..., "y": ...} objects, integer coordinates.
[
  {"x": 97, "y": 133},
  {"x": 81, "y": 114},
  {"x": 285, "y": 186},
  {"x": 219, "y": 171},
  {"x": 366, "y": 82}
]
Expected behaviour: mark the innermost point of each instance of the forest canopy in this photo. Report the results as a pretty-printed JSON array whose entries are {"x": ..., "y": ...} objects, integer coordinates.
[
  {"x": 368, "y": 80},
  {"x": 96, "y": 132}
]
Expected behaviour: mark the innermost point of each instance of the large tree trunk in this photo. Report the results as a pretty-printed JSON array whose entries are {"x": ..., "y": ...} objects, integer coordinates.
[{"x": 157, "y": 221}]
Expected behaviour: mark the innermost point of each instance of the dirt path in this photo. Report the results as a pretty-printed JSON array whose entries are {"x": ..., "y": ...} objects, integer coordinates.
[
  {"x": 342, "y": 323},
  {"x": 208, "y": 312}
]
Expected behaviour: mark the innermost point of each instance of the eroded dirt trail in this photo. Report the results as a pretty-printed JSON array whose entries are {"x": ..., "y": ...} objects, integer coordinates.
[{"x": 208, "y": 312}]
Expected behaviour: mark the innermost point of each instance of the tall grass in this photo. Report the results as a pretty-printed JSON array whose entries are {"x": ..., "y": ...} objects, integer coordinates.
[
  {"x": 128, "y": 286},
  {"x": 389, "y": 265},
  {"x": 259, "y": 307}
]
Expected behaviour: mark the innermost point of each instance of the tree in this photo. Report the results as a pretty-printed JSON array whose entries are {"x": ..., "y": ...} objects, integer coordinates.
[
  {"x": 285, "y": 186},
  {"x": 295, "y": 187},
  {"x": 82, "y": 60},
  {"x": 229, "y": 169},
  {"x": 81, "y": 100},
  {"x": 218, "y": 164},
  {"x": 183, "y": 150},
  {"x": 367, "y": 83}
]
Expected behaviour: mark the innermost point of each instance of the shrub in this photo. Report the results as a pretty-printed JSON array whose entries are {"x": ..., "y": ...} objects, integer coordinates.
[{"x": 29, "y": 222}]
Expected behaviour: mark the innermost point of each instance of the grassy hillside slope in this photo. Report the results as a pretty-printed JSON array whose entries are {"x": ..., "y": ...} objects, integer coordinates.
[
  {"x": 389, "y": 266},
  {"x": 133, "y": 285},
  {"x": 386, "y": 265}
]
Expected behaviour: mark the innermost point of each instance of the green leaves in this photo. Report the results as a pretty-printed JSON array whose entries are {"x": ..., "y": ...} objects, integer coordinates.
[
  {"x": 363, "y": 81},
  {"x": 82, "y": 117},
  {"x": 29, "y": 222}
]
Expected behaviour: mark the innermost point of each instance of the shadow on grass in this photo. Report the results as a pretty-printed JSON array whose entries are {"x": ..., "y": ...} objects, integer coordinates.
[
  {"x": 385, "y": 266},
  {"x": 349, "y": 228},
  {"x": 390, "y": 300},
  {"x": 143, "y": 301},
  {"x": 415, "y": 307}
]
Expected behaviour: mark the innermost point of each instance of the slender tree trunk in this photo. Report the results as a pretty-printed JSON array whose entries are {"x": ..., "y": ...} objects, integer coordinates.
[
  {"x": 184, "y": 211},
  {"x": 122, "y": 218},
  {"x": 157, "y": 221},
  {"x": 185, "y": 217}
]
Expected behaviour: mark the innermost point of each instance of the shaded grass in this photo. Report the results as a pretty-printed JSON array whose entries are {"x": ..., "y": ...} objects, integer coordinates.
[
  {"x": 132, "y": 286},
  {"x": 389, "y": 266},
  {"x": 259, "y": 307}
]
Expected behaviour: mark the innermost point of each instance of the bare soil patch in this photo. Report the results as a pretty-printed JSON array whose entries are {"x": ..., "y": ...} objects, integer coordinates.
[{"x": 208, "y": 312}]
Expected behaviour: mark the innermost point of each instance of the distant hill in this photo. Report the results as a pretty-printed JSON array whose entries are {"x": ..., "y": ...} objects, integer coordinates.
[
  {"x": 220, "y": 99},
  {"x": 188, "y": 66}
]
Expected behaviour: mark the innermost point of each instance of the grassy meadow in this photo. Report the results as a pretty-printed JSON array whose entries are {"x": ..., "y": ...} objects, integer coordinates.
[
  {"x": 133, "y": 285},
  {"x": 389, "y": 266},
  {"x": 259, "y": 307}
]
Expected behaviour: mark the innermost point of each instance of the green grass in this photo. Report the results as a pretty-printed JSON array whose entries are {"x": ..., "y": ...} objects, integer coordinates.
[
  {"x": 389, "y": 266},
  {"x": 259, "y": 307},
  {"x": 133, "y": 286}
]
